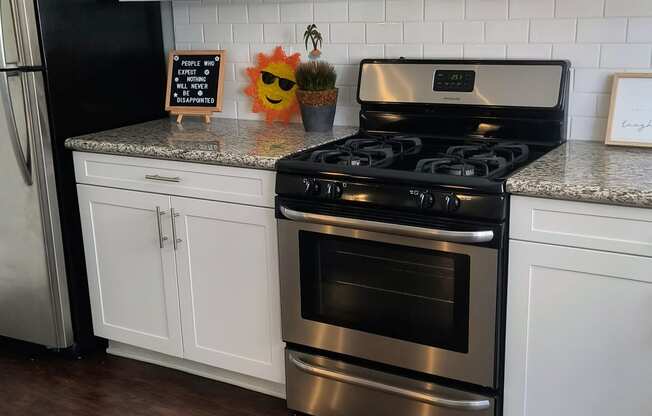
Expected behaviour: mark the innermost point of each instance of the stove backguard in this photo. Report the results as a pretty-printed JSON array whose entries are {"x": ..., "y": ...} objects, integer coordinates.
[{"x": 524, "y": 101}]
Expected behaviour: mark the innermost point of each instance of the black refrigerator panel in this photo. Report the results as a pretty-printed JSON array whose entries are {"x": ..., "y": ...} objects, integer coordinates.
[{"x": 105, "y": 68}]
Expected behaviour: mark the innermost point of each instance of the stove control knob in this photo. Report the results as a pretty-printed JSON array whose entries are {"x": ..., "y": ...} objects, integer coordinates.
[
  {"x": 311, "y": 187},
  {"x": 334, "y": 190},
  {"x": 451, "y": 203},
  {"x": 425, "y": 200}
]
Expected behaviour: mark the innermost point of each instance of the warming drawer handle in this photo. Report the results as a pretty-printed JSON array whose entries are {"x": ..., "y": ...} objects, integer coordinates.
[
  {"x": 484, "y": 236},
  {"x": 387, "y": 388}
]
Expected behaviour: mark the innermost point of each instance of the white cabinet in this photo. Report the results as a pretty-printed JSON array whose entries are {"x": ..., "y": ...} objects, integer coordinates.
[
  {"x": 132, "y": 280},
  {"x": 229, "y": 289},
  {"x": 579, "y": 321},
  {"x": 205, "y": 288}
]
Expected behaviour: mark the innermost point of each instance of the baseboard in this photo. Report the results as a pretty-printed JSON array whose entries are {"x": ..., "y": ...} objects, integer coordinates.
[{"x": 198, "y": 369}]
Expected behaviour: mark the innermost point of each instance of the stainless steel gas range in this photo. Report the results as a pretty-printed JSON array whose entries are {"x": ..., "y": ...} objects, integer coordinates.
[{"x": 393, "y": 242}]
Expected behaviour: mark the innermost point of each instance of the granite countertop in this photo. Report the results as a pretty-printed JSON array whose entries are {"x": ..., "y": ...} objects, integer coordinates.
[
  {"x": 240, "y": 143},
  {"x": 589, "y": 172}
]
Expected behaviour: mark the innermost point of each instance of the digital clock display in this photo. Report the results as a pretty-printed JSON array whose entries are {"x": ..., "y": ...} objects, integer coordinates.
[{"x": 454, "y": 81}]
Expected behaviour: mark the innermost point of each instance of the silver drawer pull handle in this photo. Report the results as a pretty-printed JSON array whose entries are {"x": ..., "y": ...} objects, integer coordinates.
[
  {"x": 163, "y": 178},
  {"x": 161, "y": 238},
  {"x": 484, "y": 236},
  {"x": 387, "y": 388},
  {"x": 175, "y": 240}
]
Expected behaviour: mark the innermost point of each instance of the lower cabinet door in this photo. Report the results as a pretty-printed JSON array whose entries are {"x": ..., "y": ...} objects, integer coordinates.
[
  {"x": 132, "y": 279},
  {"x": 579, "y": 332},
  {"x": 228, "y": 286}
]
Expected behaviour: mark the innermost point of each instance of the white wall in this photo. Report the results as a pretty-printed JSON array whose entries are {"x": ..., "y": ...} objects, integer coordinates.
[{"x": 599, "y": 36}]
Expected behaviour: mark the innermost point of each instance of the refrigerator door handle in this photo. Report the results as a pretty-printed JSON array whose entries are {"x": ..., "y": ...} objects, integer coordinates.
[
  {"x": 23, "y": 158},
  {"x": 16, "y": 28}
]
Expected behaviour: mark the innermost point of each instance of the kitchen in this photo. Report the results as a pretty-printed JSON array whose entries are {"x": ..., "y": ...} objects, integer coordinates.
[{"x": 245, "y": 266}]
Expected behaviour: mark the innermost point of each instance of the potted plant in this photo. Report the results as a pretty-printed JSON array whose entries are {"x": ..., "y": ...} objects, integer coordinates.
[{"x": 317, "y": 95}]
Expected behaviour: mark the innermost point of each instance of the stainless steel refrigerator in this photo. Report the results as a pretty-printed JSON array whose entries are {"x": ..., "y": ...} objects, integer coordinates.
[{"x": 53, "y": 56}]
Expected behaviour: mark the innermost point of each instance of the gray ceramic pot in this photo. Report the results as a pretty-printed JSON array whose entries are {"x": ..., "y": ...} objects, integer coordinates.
[
  {"x": 318, "y": 118},
  {"x": 318, "y": 109}
]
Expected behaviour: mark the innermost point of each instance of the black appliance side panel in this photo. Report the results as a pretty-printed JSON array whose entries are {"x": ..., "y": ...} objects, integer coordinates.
[{"x": 105, "y": 68}]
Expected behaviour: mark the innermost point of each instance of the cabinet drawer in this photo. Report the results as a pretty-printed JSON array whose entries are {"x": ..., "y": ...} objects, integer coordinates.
[
  {"x": 585, "y": 225},
  {"x": 220, "y": 183}
]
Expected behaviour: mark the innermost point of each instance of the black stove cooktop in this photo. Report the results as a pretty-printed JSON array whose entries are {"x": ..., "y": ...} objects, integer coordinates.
[{"x": 447, "y": 161}]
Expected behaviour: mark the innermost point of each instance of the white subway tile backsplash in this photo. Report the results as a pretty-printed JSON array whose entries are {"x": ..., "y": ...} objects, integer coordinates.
[
  {"x": 519, "y": 9},
  {"x": 347, "y": 32},
  {"x": 442, "y": 51},
  {"x": 426, "y": 32},
  {"x": 484, "y": 51},
  {"x": 486, "y": 9},
  {"x": 602, "y": 30},
  {"x": 189, "y": 33},
  {"x": 347, "y": 75},
  {"x": 203, "y": 14},
  {"x": 335, "y": 53},
  {"x": 579, "y": 8},
  {"x": 588, "y": 128},
  {"x": 552, "y": 30},
  {"x": 367, "y": 11},
  {"x": 232, "y": 13},
  {"x": 396, "y": 51},
  {"x": 264, "y": 13},
  {"x": 640, "y": 29},
  {"x": 180, "y": 14},
  {"x": 593, "y": 80},
  {"x": 404, "y": 10},
  {"x": 358, "y": 52},
  {"x": 444, "y": 9},
  {"x": 218, "y": 33},
  {"x": 603, "y": 103},
  {"x": 463, "y": 32},
  {"x": 600, "y": 37},
  {"x": 628, "y": 8},
  {"x": 583, "y": 104},
  {"x": 626, "y": 56},
  {"x": 509, "y": 31},
  {"x": 580, "y": 56},
  {"x": 332, "y": 11},
  {"x": 384, "y": 32},
  {"x": 236, "y": 52},
  {"x": 529, "y": 51},
  {"x": 243, "y": 32},
  {"x": 296, "y": 12},
  {"x": 279, "y": 32}
]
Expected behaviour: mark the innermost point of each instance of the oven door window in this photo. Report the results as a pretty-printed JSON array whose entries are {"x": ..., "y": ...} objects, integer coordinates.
[{"x": 396, "y": 291}]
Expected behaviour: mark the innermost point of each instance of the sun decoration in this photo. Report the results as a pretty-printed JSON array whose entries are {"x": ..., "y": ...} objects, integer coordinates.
[{"x": 273, "y": 85}]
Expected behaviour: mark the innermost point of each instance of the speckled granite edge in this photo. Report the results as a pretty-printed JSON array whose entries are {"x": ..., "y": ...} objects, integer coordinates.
[
  {"x": 580, "y": 193},
  {"x": 227, "y": 142},
  {"x": 177, "y": 154},
  {"x": 589, "y": 172}
]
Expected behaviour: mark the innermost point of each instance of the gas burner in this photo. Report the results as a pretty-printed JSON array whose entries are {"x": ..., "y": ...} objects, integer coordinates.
[
  {"x": 344, "y": 155},
  {"x": 453, "y": 165},
  {"x": 400, "y": 145}
]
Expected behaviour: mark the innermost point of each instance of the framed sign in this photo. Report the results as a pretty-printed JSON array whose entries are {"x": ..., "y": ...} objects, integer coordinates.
[
  {"x": 630, "y": 116},
  {"x": 195, "y": 83}
]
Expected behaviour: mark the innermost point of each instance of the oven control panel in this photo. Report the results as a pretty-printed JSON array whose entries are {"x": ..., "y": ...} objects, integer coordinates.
[
  {"x": 424, "y": 200},
  {"x": 447, "y": 80}
]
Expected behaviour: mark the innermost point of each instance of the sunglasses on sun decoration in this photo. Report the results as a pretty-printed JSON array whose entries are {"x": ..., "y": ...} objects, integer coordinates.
[{"x": 284, "y": 83}]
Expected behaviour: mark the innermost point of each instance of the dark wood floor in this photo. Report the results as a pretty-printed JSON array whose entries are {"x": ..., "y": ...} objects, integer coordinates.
[{"x": 36, "y": 382}]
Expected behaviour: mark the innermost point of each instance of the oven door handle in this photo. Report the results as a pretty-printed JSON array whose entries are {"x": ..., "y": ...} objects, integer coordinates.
[
  {"x": 484, "y": 236},
  {"x": 388, "y": 388}
]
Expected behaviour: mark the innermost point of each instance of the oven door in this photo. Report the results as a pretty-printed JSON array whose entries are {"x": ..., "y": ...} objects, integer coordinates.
[{"x": 411, "y": 297}]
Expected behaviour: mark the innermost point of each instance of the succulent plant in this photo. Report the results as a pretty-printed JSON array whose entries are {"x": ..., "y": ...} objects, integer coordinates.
[{"x": 316, "y": 76}]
